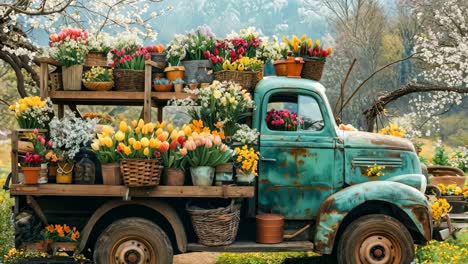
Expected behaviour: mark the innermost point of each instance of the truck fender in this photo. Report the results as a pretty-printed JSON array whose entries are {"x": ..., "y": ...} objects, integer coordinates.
[
  {"x": 159, "y": 206},
  {"x": 336, "y": 207}
]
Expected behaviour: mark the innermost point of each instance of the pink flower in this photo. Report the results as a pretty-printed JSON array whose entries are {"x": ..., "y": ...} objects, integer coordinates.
[
  {"x": 216, "y": 52},
  {"x": 35, "y": 131},
  {"x": 147, "y": 56},
  {"x": 41, "y": 140},
  {"x": 122, "y": 61},
  {"x": 289, "y": 126},
  {"x": 214, "y": 60},
  {"x": 129, "y": 49},
  {"x": 128, "y": 57},
  {"x": 208, "y": 143},
  {"x": 50, "y": 143},
  {"x": 206, "y": 54}
]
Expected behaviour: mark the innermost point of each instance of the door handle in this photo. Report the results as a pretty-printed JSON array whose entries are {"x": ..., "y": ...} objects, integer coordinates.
[{"x": 267, "y": 159}]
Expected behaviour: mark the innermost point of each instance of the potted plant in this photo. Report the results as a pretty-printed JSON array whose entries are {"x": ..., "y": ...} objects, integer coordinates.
[
  {"x": 32, "y": 166},
  {"x": 173, "y": 159},
  {"x": 129, "y": 63},
  {"x": 197, "y": 65},
  {"x": 246, "y": 160},
  {"x": 203, "y": 152},
  {"x": 270, "y": 51},
  {"x": 243, "y": 71},
  {"x": 69, "y": 48},
  {"x": 105, "y": 147},
  {"x": 141, "y": 150},
  {"x": 99, "y": 45},
  {"x": 32, "y": 112},
  {"x": 455, "y": 196},
  {"x": 314, "y": 61},
  {"x": 98, "y": 79},
  {"x": 62, "y": 237},
  {"x": 178, "y": 85},
  {"x": 162, "y": 85},
  {"x": 69, "y": 134},
  {"x": 175, "y": 53},
  {"x": 440, "y": 208},
  {"x": 42, "y": 148}
]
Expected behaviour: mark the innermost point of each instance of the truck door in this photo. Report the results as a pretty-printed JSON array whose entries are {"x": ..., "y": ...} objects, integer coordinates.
[{"x": 297, "y": 168}]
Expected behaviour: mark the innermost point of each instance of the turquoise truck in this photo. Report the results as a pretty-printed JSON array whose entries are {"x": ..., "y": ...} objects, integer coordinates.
[{"x": 315, "y": 176}]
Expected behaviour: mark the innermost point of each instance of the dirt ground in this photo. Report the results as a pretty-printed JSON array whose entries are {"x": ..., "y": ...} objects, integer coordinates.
[{"x": 196, "y": 258}]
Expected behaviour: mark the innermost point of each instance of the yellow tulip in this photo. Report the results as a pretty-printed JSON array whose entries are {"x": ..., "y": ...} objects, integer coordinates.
[
  {"x": 107, "y": 130},
  {"x": 241, "y": 67},
  {"x": 141, "y": 123},
  {"x": 144, "y": 142},
  {"x": 149, "y": 127},
  {"x": 303, "y": 37},
  {"x": 127, "y": 151},
  {"x": 136, "y": 145},
  {"x": 146, "y": 152},
  {"x": 187, "y": 130},
  {"x": 309, "y": 43},
  {"x": 123, "y": 126},
  {"x": 169, "y": 128},
  {"x": 134, "y": 123},
  {"x": 317, "y": 42},
  {"x": 95, "y": 145},
  {"x": 131, "y": 141},
  {"x": 109, "y": 143},
  {"x": 153, "y": 143},
  {"x": 22, "y": 107},
  {"x": 102, "y": 141},
  {"x": 119, "y": 136}
]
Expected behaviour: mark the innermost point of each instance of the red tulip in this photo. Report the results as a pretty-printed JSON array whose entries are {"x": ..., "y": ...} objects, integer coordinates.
[
  {"x": 324, "y": 53},
  {"x": 221, "y": 59},
  {"x": 173, "y": 145},
  {"x": 214, "y": 60},
  {"x": 216, "y": 52}
]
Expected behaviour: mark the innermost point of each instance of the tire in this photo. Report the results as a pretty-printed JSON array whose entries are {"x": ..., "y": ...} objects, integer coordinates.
[
  {"x": 133, "y": 240},
  {"x": 373, "y": 239}
]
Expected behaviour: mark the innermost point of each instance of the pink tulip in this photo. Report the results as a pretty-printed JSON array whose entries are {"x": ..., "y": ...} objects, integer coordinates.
[{"x": 208, "y": 144}]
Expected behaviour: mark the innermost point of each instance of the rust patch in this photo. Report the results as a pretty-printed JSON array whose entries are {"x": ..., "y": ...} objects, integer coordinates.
[
  {"x": 327, "y": 205},
  {"x": 265, "y": 181},
  {"x": 422, "y": 216},
  {"x": 320, "y": 188},
  {"x": 284, "y": 164},
  {"x": 301, "y": 163},
  {"x": 307, "y": 211}
]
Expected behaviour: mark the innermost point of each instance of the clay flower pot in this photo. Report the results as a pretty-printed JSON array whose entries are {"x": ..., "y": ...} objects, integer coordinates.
[
  {"x": 162, "y": 87},
  {"x": 280, "y": 67},
  {"x": 294, "y": 67},
  {"x": 111, "y": 174},
  {"x": 31, "y": 175},
  {"x": 173, "y": 177},
  {"x": 174, "y": 72}
]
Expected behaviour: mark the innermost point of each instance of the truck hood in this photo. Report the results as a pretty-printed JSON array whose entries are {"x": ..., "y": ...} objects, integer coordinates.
[{"x": 363, "y": 140}]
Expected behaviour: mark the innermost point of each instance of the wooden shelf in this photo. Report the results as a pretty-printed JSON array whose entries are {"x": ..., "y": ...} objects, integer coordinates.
[
  {"x": 111, "y": 97},
  {"x": 121, "y": 191}
]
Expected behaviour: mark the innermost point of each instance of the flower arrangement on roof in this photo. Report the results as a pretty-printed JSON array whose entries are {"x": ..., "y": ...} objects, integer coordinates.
[
  {"x": 393, "y": 130},
  {"x": 317, "y": 52},
  {"x": 69, "y": 47},
  {"x": 159, "y": 49},
  {"x": 32, "y": 112},
  {"x": 272, "y": 50},
  {"x": 283, "y": 120}
]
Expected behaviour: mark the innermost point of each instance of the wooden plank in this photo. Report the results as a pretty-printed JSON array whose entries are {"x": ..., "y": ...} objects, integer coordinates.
[
  {"x": 37, "y": 209},
  {"x": 44, "y": 80},
  {"x": 120, "y": 191},
  {"x": 14, "y": 157},
  {"x": 166, "y": 96},
  {"x": 47, "y": 60},
  {"x": 463, "y": 216},
  {"x": 147, "y": 97},
  {"x": 251, "y": 246},
  {"x": 73, "y": 96}
]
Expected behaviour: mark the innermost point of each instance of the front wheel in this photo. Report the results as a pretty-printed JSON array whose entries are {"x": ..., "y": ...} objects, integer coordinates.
[
  {"x": 133, "y": 241},
  {"x": 375, "y": 239}
]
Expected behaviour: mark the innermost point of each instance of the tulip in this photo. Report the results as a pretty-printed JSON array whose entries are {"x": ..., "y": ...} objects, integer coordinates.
[
  {"x": 181, "y": 140},
  {"x": 131, "y": 141},
  {"x": 224, "y": 148},
  {"x": 119, "y": 136},
  {"x": 141, "y": 123},
  {"x": 217, "y": 140},
  {"x": 35, "y": 131},
  {"x": 146, "y": 152},
  {"x": 163, "y": 136},
  {"x": 173, "y": 145},
  {"x": 169, "y": 128},
  {"x": 127, "y": 151},
  {"x": 154, "y": 143},
  {"x": 50, "y": 143},
  {"x": 183, "y": 151},
  {"x": 208, "y": 143},
  {"x": 134, "y": 123},
  {"x": 108, "y": 141},
  {"x": 190, "y": 145},
  {"x": 94, "y": 146},
  {"x": 144, "y": 142},
  {"x": 136, "y": 145},
  {"x": 164, "y": 146}
]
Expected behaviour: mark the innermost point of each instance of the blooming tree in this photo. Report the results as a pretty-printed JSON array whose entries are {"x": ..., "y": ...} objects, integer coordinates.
[{"x": 20, "y": 19}]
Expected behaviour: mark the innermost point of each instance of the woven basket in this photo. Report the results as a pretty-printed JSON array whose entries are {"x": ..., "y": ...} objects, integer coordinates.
[
  {"x": 140, "y": 172},
  {"x": 95, "y": 59},
  {"x": 216, "y": 227},
  {"x": 246, "y": 79},
  {"x": 98, "y": 86},
  {"x": 129, "y": 80},
  {"x": 312, "y": 69},
  {"x": 55, "y": 80}
]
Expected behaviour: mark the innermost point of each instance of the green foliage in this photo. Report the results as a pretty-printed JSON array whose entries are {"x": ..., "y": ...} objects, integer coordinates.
[
  {"x": 6, "y": 228},
  {"x": 268, "y": 258},
  {"x": 440, "y": 157},
  {"x": 450, "y": 251}
]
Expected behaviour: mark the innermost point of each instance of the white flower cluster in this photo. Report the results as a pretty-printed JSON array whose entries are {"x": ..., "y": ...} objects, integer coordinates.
[
  {"x": 246, "y": 135},
  {"x": 71, "y": 133},
  {"x": 459, "y": 158},
  {"x": 127, "y": 39},
  {"x": 176, "y": 49},
  {"x": 272, "y": 50},
  {"x": 100, "y": 42}
]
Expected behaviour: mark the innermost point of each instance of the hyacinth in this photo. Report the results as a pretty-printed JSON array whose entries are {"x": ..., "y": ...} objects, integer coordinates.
[{"x": 283, "y": 120}]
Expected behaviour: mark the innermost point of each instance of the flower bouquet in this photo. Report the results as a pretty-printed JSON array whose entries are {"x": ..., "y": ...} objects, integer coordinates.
[
  {"x": 129, "y": 64},
  {"x": 196, "y": 43},
  {"x": 140, "y": 147},
  {"x": 62, "y": 237},
  {"x": 33, "y": 112},
  {"x": 272, "y": 50},
  {"x": 158, "y": 56},
  {"x": 246, "y": 136},
  {"x": 69, "y": 48},
  {"x": 283, "y": 120},
  {"x": 314, "y": 60},
  {"x": 244, "y": 71},
  {"x": 246, "y": 160},
  {"x": 99, "y": 45},
  {"x": 98, "y": 79},
  {"x": 105, "y": 147}
]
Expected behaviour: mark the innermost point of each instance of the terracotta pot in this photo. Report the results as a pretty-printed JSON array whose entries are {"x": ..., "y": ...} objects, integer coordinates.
[
  {"x": 31, "y": 174},
  {"x": 64, "y": 173},
  {"x": 269, "y": 228},
  {"x": 202, "y": 175},
  {"x": 162, "y": 87},
  {"x": 173, "y": 177},
  {"x": 72, "y": 77},
  {"x": 280, "y": 67},
  {"x": 175, "y": 72},
  {"x": 294, "y": 67},
  {"x": 111, "y": 174},
  {"x": 178, "y": 88}
]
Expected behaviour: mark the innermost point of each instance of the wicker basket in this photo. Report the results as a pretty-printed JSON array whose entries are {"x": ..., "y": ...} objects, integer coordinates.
[
  {"x": 216, "y": 227},
  {"x": 98, "y": 86},
  {"x": 55, "y": 80},
  {"x": 140, "y": 172},
  {"x": 95, "y": 59},
  {"x": 246, "y": 79},
  {"x": 129, "y": 80},
  {"x": 312, "y": 69}
]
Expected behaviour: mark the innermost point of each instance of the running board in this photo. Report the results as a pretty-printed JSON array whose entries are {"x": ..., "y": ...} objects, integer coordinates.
[{"x": 248, "y": 246}]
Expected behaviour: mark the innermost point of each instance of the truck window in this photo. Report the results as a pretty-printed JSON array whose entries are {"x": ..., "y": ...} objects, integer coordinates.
[{"x": 306, "y": 107}]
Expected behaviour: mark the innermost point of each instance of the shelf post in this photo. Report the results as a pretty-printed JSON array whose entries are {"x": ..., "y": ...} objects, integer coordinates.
[
  {"x": 147, "y": 98},
  {"x": 44, "y": 80}
]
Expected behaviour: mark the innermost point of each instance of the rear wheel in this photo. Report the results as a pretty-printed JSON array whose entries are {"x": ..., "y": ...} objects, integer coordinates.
[
  {"x": 133, "y": 241},
  {"x": 375, "y": 239}
]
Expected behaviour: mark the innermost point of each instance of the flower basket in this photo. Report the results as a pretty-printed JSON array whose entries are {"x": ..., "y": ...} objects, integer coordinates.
[
  {"x": 95, "y": 59},
  {"x": 246, "y": 79},
  {"x": 162, "y": 87},
  {"x": 140, "y": 172},
  {"x": 129, "y": 80},
  {"x": 71, "y": 77},
  {"x": 56, "y": 81},
  {"x": 313, "y": 69},
  {"x": 215, "y": 227},
  {"x": 98, "y": 86}
]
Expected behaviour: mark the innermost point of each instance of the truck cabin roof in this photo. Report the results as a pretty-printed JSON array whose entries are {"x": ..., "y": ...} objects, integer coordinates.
[{"x": 273, "y": 82}]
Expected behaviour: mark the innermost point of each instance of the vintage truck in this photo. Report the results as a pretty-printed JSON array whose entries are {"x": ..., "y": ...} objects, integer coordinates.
[{"x": 315, "y": 177}]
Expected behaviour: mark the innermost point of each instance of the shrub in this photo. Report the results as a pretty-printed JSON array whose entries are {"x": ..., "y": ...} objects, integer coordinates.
[{"x": 7, "y": 231}]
